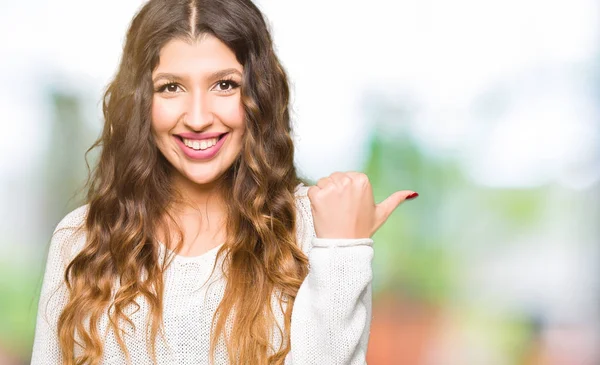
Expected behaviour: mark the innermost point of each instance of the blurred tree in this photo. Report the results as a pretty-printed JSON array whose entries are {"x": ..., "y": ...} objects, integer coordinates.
[
  {"x": 65, "y": 169},
  {"x": 411, "y": 256},
  {"x": 422, "y": 251},
  {"x": 62, "y": 174}
]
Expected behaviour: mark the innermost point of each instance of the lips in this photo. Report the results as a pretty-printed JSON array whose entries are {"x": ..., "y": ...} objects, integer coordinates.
[
  {"x": 200, "y": 136},
  {"x": 201, "y": 144},
  {"x": 205, "y": 154}
]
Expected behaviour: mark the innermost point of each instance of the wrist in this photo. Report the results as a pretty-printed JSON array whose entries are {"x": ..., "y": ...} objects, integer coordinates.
[{"x": 341, "y": 242}]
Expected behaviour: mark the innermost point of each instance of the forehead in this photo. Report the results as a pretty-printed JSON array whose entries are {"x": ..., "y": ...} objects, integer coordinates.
[{"x": 205, "y": 55}]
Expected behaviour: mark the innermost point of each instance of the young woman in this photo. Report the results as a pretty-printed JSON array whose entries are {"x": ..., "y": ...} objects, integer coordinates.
[{"x": 198, "y": 242}]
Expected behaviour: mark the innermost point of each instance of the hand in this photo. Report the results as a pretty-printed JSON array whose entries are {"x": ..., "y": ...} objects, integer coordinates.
[{"x": 343, "y": 206}]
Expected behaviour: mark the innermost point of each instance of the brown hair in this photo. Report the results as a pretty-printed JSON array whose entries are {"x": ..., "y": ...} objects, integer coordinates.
[{"x": 130, "y": 190}]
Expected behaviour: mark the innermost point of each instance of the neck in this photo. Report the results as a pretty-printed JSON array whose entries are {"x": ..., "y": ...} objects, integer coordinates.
[
  {"x": 199, "y": 212},
  {"x": 203, "y": 200}
]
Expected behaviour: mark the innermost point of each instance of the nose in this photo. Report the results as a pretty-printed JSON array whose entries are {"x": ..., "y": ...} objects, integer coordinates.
[{"x": 198, "y": 112}]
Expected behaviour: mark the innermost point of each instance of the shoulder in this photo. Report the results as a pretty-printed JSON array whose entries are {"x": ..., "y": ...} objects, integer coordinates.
[
  {"x": 73, "y": 220},
  {"x": 69, "y": 235},
  {"x": 67, "y": 240}
]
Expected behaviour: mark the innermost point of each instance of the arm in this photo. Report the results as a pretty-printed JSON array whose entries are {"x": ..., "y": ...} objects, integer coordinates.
[
  {"x": 332, "y": 312},
  {"x": 54, "y": 293}
]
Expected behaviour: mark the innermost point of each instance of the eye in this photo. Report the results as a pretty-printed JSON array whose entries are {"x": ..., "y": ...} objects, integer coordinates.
[
  {"x": 226, "y": 86},
  {"x": 169, "y": 88}
]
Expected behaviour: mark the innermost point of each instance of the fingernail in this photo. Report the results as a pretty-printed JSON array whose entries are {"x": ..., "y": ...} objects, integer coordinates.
[{"x": 412, "y": 196}]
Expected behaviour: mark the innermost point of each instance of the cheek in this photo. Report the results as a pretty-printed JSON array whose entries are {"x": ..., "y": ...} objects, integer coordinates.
[
  {"x": 164, "y": 116},
  {"x": 231, "y": 112}
]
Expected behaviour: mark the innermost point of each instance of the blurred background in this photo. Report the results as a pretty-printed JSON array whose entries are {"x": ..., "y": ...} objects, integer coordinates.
[{"x": 489, "y": 109}]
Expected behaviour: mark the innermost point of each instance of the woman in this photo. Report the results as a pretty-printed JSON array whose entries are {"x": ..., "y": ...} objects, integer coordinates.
[{"x": 198, "y": 242}]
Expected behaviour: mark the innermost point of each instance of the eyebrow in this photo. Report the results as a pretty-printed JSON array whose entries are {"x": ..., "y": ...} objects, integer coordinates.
[{"x": 212, "y": 77}]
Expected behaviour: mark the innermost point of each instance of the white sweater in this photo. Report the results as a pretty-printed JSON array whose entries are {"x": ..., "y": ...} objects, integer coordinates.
[{"x": 330, "y": 320}]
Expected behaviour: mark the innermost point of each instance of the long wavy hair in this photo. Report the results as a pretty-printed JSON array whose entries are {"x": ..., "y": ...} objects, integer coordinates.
[{"x": 130, "y": 191}]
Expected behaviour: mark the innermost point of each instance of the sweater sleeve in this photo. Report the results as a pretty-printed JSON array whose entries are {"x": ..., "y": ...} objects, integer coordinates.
[
  {"x": 332, "y": 312},
  {"x": 66, "y": 241}
]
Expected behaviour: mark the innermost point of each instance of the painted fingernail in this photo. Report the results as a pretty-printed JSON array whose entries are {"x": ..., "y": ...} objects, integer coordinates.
[{"x": 412, "y": 196}]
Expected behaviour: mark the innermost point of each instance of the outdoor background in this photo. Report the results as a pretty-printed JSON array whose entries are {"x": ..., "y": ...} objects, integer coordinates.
[{"x": 489, "y": 109}]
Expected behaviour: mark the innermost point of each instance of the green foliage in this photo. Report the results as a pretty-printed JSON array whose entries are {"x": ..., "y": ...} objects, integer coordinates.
[
  {"x": 19, "y": 289},
  {"x": 65, "y": 169},
  {"x": 411, "y": 255},
  {"x": 63, "y": 172},
  {"x": 519, "y": 208}
]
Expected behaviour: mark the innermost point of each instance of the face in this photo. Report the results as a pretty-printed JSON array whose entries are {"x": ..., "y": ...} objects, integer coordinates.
[{"x": 197, "y": 114}]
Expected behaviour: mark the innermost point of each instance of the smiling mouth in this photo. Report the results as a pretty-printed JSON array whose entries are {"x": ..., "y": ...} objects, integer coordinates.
[{"x": 201, "y": 144}]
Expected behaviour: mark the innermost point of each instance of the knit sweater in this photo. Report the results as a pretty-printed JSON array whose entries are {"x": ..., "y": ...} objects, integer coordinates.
[{"x": 331, "y": 316}]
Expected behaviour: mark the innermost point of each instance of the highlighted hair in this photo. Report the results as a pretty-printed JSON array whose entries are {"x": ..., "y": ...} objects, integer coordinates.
[{"x": 130, "y": 191}]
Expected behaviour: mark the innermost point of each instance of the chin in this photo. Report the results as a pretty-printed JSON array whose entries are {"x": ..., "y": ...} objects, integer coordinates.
[{"x": 203, "y": 178}]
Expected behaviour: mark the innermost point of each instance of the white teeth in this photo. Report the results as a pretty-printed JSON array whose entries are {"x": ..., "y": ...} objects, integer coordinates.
[{"x": 200, "y": 145}]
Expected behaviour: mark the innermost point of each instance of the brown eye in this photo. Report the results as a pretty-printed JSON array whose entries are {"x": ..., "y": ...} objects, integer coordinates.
[
  {"x": 168, "y": 88},
  {"x": 226, "y": 86}
]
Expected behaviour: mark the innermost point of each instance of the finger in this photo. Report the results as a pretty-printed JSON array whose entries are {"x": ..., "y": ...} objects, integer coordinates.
[
  {"x": 340, "y": 179},
  {"x": 385, "y": 208},
  {"x": 312, "y": 190},
  {"x": 359, "y": 177},
  {"x": 323, "y": 182}
]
